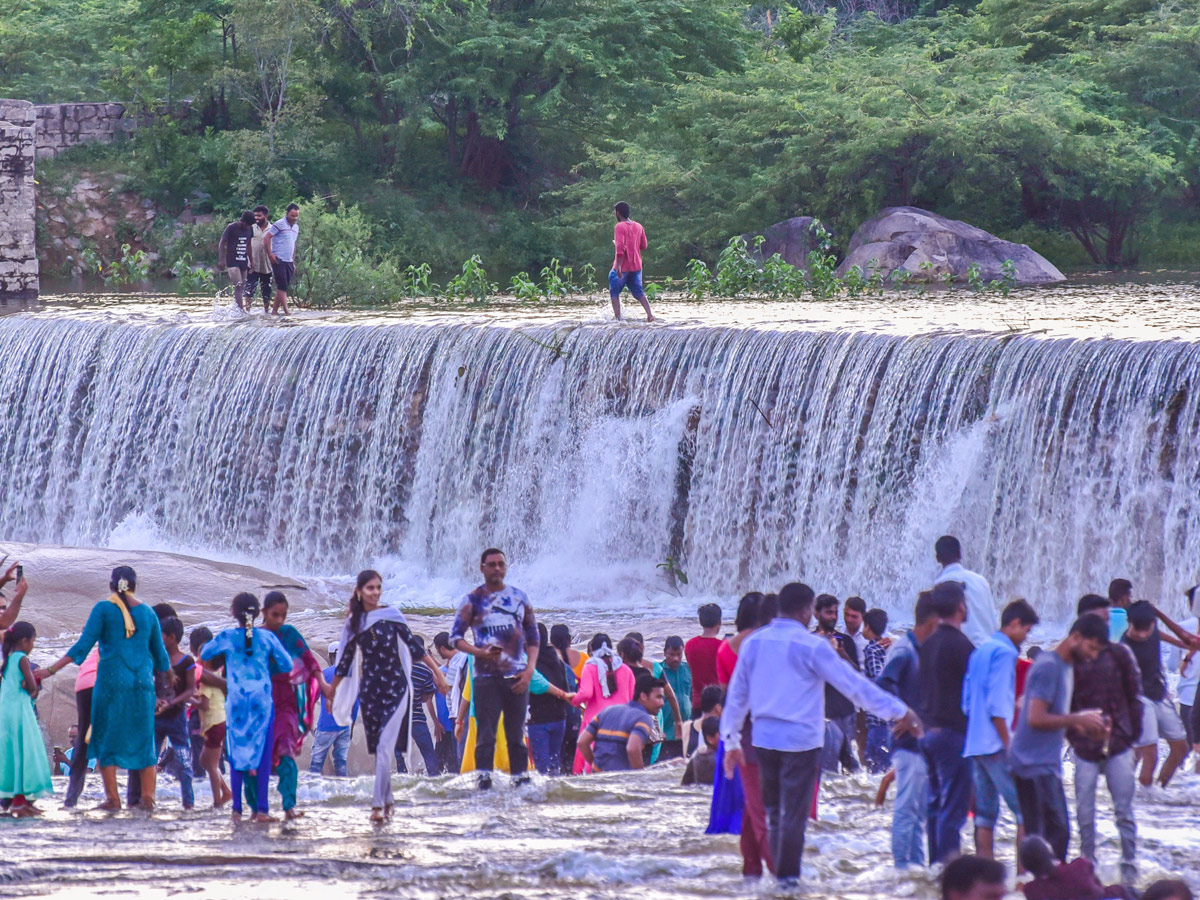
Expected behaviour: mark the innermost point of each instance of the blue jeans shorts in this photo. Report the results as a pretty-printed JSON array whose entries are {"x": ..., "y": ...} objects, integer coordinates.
[
  {"x": 631, "y": 280},
  {"x": 993, "y": 780}
]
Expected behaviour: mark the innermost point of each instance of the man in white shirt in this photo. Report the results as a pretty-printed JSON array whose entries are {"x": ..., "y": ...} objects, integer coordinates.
[
  {"x": 1187, "y": 664},
  {"x": 981, "y": 621},
  {"x": 780, "y": 683}
]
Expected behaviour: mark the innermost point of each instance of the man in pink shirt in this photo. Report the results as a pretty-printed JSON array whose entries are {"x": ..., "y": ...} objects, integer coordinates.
[{"x": 629, "y": 237}]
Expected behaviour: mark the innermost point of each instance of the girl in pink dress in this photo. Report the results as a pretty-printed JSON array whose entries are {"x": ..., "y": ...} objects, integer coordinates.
[{"x": 605, "y": 681}]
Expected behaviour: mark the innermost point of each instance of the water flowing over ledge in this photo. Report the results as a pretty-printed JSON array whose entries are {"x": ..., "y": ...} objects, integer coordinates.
[{"x": 592, "y": 453}]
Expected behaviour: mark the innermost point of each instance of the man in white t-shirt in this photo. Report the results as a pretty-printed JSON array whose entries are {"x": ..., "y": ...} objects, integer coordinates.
[{"x": 981, "y": 621}]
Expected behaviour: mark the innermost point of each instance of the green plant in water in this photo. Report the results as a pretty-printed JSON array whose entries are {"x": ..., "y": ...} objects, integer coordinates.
[
  {"x": 472, "y": 283},
  {"x": 190, "y": 278},
  {"x": 974, "y": 280},
  {"x": 132, "y": 267},
  {"x": 737, "y": 270},
  {"x": 523, "y": 287},
  {"x": 699, "y": 279},
  {"x": 414, "y": 281},
  {"x": 823, "y": 281},
  {"x": 555, "y": 280},
  {"x": 653, "y": 292},
  {"x": 1008, "y": 278},
  {"x": 670, "y": 567}
]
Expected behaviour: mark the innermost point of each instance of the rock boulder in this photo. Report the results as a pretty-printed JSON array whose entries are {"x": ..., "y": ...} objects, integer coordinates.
[
  {"x": 904, "y": 237},
  {"x": 792, "y": 239}
]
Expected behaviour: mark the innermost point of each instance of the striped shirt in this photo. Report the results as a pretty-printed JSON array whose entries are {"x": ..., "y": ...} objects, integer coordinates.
[{"x": 611, "y": 730}]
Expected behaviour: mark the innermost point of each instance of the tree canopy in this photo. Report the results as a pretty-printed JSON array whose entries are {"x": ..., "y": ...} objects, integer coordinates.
[{"x": 509, "y": 127}]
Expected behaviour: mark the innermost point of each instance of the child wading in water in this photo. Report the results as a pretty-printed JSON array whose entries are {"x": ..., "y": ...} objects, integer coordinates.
[
  {"x": 295, "y": 695},
  {"x": 210, "y": 706},
  {"x": 629, "y": 237},
  {"x": 252, "y": 655},
  {"x": 24, "y": 767}
]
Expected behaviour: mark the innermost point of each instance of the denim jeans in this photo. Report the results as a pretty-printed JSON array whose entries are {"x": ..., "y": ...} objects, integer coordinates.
[
  {"x": 993, "y": 781},
  {"x": 878, "y": 757},
  {"x": 545, "y": 742},
  {"x": 1118, "y": 773},
  {"x": 424, "y": 743},
  {"x": 174, "y": 731},
  {"x": 337, "y": 741},
  {"x": 949, "y": 790},
  {"x": 1044, "y": 808},
  {"x": 911, "y": 808},
  {"x": 789, "y": 782}
]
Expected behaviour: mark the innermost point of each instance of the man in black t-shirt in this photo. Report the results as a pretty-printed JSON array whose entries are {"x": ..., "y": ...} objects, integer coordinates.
[
  {"x": 1160, "y": 719},
  {"x": 940, "y": 673},
  {"x": 839, "y": 711},
  {"x": 234, "y": 252}
]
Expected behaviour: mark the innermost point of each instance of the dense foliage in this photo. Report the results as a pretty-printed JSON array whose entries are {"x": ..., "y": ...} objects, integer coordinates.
[{"x": 436, "y": 130}]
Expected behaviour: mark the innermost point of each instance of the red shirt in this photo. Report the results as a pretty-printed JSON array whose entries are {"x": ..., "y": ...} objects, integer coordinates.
[
  {"x": 701, "y": 653},
  {"x": 630, "y": 240},
  {"x": 726, "y": 661},
  {"x": 1023, "y": 667}
]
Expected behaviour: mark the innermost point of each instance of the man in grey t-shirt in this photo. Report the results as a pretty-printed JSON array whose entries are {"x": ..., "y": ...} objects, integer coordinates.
[
  {"x": 280, "y": 244},
  {"x": 1035, "y": 752}
]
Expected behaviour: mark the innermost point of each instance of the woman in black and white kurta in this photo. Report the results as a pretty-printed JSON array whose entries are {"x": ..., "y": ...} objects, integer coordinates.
[{"x": 375, "y": 668}]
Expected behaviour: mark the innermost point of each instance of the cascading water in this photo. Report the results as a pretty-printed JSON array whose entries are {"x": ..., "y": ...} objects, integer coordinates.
[{"x": 748, "y": 456}]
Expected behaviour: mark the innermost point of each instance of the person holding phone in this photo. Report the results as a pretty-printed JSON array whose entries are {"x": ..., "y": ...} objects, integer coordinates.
[{"x": 10, "y": 613}]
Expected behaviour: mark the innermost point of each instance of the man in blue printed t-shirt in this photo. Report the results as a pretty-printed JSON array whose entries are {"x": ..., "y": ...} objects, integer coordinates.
[
  {"x": 505, "y": 631},
  {"x": 280, "y": 244}
]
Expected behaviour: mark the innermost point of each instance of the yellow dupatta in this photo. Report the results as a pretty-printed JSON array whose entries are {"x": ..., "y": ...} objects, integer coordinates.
[{"x": 129, "y": 626}]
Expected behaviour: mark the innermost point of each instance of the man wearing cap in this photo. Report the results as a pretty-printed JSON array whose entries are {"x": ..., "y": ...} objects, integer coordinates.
[{"x": 330, "y": 735}]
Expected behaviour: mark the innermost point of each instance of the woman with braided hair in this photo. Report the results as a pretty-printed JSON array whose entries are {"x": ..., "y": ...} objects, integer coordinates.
[
  {"x": 131, "y": 653},
  {"x": 251, "y": 656}
]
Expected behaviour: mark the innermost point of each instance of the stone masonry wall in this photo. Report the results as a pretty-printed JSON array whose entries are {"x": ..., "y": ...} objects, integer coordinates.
[
  {"x": 63, "y": 125},
  {"x": 18, "y": 202}
]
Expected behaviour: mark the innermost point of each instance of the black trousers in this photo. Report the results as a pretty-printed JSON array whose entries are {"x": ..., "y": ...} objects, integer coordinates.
[
  {"x": 79, "y": 754},
  {"x": 1044, "y": 809},
  {"x": 492, "y": 697},
  {"x": 253, "y": 280},
  {"x": 789, "y": 782}
]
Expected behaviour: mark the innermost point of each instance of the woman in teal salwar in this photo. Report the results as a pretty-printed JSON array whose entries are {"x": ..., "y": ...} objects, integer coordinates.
[{"x": 131, "y": 652}]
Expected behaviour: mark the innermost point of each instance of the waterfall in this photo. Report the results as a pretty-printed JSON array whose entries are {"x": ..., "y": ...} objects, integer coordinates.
[{"x": 594, "y": 453}]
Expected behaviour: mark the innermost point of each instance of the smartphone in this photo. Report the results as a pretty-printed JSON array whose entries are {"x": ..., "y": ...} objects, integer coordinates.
[{"x": 20, "y": 573}]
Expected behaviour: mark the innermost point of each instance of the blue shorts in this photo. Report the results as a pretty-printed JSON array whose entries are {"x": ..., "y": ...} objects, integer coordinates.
[
  {"x": 993, "y": 781},
  {"x": 631, "y": 280}
]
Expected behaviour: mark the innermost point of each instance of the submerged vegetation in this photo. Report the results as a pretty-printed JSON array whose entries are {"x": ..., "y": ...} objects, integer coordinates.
[{"x": 428, "y": 132}]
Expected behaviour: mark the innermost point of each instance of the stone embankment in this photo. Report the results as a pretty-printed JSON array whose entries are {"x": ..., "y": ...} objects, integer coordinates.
[
  {"x": 29, "y": 132},
  {"x": 18, "y": 244},
  {"x": 61, "y": 126}
]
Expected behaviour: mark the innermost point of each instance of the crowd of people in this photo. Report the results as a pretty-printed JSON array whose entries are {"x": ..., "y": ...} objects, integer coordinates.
[
  {"x": 949, "y": 713},
  {"x": 254, "y": 252},
  {"x": 257, "y": 253}
]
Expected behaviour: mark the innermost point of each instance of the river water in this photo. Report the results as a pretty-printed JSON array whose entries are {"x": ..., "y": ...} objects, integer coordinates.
[{"x": 744, "y": 444}]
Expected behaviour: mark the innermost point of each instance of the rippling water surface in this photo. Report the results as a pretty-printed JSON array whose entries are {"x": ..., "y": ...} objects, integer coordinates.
[
  {"x": 607, "y": 836},
  {"x": 623, "y": 835}
]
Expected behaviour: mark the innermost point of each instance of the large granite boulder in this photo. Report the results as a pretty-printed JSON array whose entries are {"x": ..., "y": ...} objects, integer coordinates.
[
  {"x": 904, "y": 237},
  {"x": 792, "y": 239}
]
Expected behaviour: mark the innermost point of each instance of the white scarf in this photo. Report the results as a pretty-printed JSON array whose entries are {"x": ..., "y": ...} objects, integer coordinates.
[
  {"x": 347, "y": 692},
  {"x": 600, "y": 658}
]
